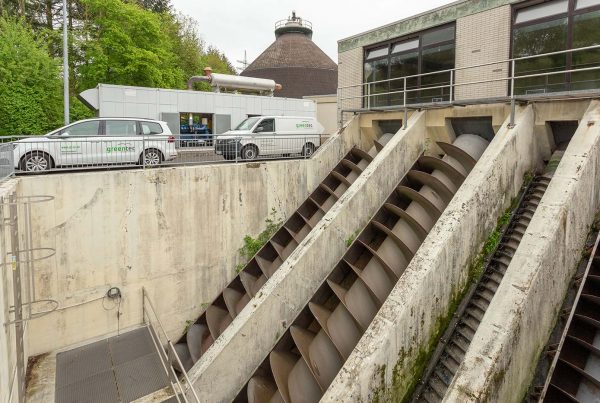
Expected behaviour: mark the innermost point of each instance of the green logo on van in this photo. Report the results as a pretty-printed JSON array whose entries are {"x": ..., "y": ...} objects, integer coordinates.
[
  {"x": 119, "y": 149},
  {"x": 304, "y": 125}
]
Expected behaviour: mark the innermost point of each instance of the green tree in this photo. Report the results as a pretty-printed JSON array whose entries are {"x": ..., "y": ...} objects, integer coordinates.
[
  {"x": 30, "y": 82},
  {"x": 192, "y": 53},
  {"x": 157, "y": 6},
  {"x": 124, "y": 44}
]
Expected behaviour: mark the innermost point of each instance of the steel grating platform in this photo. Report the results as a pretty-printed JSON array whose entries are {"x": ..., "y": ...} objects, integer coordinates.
[{"x": 119, "y": 369}]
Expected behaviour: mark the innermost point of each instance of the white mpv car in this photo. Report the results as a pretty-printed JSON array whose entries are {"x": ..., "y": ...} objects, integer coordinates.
[
  {"x": 270, "y": 136},
  {"x": 97, "y": 142}
]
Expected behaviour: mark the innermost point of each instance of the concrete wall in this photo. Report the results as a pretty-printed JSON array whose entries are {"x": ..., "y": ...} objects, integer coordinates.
[
  {"x": 483, "y": 38},
  {"x": 393, "y": 351},
  {"x": 555, "y": 111},
  {"x": 220, "y": 373},
  {"x": 8, "y": 358},
  {"x": 326, "y": 111},
  {"x": 175, "y": 231},
  {"x": 439, "y": 124},
  {"x": 501, "y": 360}
]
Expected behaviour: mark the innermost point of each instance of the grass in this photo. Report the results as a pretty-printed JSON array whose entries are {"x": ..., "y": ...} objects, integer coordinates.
[{"x": 253, "y": 245}]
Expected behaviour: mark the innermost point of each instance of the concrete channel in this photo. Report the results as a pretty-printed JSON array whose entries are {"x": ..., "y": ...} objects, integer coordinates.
[
  {"x": 260, "y": 324},
  {"x": 328, "y": 329},
  {"x": 248, "y": 283},
  {"x": 395, "y": 346},
  {"x": 500, "y": 363}
]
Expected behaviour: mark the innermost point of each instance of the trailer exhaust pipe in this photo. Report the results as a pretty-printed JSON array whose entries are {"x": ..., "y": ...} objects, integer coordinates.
[{"x": 228, "y": 81}]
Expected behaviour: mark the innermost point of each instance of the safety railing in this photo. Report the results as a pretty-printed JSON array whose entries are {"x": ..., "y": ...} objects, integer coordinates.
[
  {"x": 37, "y": 154},
  {"x": 165, "y": 349},
  {"x": 7, "y": 167},
  {"x": 299, "y": 21},
  {"x": 439, "y": 88}
]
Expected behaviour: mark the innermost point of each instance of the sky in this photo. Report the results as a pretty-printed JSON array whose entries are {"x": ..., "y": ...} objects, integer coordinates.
[{"x": 235, "y": 26}]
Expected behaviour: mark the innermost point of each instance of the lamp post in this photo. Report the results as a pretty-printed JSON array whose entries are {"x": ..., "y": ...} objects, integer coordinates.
[{"x": 65, "y": 64}]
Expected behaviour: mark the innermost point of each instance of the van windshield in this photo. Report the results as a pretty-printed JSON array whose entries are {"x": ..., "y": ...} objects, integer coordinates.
[{"x": 247, "y": 124}]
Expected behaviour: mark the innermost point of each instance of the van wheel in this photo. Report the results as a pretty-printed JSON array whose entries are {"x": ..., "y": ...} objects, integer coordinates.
[
  {"x": 36, "y": 161},
  {"x": 308, "y": 149},
  {"x": 151, "y": 157},
  {"x": 249, "y": 152}
]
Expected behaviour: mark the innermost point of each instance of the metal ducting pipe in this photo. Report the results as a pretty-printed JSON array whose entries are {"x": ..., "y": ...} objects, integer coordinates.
[
  {"x": 242, "y": 83},
  {"x": 197, "y": 79},
  {"x": 218, "y": 81}
]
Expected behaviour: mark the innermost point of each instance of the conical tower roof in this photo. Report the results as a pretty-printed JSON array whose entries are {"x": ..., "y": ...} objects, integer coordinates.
[{"x": 295, "y": 62}]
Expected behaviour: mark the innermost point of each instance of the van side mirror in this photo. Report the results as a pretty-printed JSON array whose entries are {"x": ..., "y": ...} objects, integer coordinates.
[{"x": 259, "y": 129}]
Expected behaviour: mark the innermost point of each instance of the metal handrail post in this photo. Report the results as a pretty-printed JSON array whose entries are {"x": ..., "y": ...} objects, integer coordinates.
[
  {"x": 451, "y": 85},
  {"x": 340, "y": 108},
  {"x": 368, "y": 96},
  {"x": 185, "y": 375},
  {"x": 512, "y": 96},
  {"x": 170, "y": 346},
  {"x": 405, "y": 123},
  {"x": 143, "y": 151},
  {"x": 303, "y": 149}
]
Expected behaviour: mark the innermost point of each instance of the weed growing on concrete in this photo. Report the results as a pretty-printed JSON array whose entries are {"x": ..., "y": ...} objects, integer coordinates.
[
  {"x": 188, "y": 323},
  {"x": 527, "y": 177},
  {"x": 253, "y": 245},
  {"x": 348, "y": 241},
  {"x": 490, "y": 245}
]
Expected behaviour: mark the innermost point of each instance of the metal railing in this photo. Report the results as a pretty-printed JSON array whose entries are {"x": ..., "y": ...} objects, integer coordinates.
[
  {"x": 298, "y": 21},
  {"x": 37, "y": 154},
  {"x": 7, "y": 167},
  {"x": 165, "y": 349},
  {"x": 447, "y": 87}
]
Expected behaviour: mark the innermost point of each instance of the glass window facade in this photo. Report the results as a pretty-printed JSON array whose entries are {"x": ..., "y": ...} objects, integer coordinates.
[
  {"x": 427, "y": 52},
  {"x": 554, "y": 26}
]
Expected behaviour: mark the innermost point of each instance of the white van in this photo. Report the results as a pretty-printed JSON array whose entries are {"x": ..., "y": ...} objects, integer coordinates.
[{"x": 270, "y": 136}]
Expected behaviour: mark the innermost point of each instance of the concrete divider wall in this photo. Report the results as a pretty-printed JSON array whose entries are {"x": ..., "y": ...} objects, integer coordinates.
[
  {"x": 175, "y": 231},
  {"x": 228, "y": 364},
  {"x": 500, "y": 363},
  {"x": 8, "y": 357},
  {"x": 390, "y": 355}
]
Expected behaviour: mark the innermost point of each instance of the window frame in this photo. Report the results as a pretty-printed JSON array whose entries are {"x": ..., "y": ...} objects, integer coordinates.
[
  {"x": 570, "y": 15},
  {"x": 99, "y": 131},
  {"x": 104, "y": 122},
  {"x": 419, "y": 50},
  {"x": 259, "y": 125},
  {"x": 141, "y": 129}
]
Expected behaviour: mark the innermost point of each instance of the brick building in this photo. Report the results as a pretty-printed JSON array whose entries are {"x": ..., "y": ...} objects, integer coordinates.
[{"x": 373, "y": 65}]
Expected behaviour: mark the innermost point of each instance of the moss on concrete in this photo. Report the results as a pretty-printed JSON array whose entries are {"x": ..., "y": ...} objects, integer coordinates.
[
  {"x": 405, "y": 380},
  {"x": 403, "y": 383}
]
